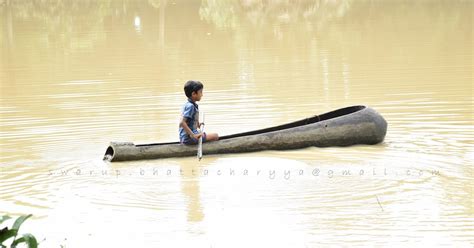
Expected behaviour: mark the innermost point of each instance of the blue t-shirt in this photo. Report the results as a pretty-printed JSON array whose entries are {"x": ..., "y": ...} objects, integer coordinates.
[{"x": 191, "y": 112}]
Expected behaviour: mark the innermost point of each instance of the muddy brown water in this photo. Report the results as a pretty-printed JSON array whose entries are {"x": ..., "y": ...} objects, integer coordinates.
[{"x": 76, "y": 75}]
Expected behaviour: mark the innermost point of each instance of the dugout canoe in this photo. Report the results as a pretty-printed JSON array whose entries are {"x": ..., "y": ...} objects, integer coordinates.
[{"x": 342, "y": 127}]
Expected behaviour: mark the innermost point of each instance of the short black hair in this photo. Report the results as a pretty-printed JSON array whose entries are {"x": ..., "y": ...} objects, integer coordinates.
[{"x": 192, "y": 86}]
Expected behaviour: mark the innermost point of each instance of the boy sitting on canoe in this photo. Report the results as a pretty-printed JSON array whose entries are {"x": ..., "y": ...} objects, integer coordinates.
[{"x": 188, "y": 126}]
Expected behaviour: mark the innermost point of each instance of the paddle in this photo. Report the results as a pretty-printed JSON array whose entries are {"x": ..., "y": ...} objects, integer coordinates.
[{"x": 199, "y": 154}]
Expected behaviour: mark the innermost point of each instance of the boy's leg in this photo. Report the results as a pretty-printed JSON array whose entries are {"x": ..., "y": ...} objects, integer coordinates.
[{"x": 212, "y": 137}]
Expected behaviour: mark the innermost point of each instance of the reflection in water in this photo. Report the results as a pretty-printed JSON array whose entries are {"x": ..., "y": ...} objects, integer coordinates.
[
  {"x": 75, "y": 75},
  {"x": 262, "y": 14},
  {"x": 190, "y": 188},
  {"x": 137, "y": 23}
]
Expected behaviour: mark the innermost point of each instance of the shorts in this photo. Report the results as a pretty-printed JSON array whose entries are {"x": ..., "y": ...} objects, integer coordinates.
[{"x": 189, "y": 141}]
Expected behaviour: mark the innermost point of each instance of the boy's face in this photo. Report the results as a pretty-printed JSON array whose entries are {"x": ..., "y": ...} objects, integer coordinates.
[{"x": 196, "y": 96}]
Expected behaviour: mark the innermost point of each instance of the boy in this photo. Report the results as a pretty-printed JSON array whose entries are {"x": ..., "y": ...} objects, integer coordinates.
[{"x": 188, "y": 126}]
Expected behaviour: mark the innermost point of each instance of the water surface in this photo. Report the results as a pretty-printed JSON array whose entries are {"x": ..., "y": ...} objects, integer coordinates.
[{"x": 76, "y": 75}]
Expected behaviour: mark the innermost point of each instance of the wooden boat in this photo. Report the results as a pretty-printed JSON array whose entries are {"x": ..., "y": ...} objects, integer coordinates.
[{"x": 342, "y": 127}]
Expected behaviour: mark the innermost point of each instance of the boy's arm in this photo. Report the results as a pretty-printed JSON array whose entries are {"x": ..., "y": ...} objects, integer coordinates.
[{"x": 188, "y": 130}]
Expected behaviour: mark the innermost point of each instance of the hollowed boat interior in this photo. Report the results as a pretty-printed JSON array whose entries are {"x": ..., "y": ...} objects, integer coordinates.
[{"x": 310, "y": 120}]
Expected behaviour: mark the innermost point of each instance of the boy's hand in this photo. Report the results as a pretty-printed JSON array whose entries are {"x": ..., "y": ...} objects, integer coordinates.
[{"x": 197, "y": 136}]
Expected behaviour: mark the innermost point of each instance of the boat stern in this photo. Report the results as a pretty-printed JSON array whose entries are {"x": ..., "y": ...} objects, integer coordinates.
[{"x": 111, "y": 152}]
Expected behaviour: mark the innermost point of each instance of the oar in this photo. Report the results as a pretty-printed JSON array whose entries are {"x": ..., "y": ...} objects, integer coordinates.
[{"x": 200, "y": 139}]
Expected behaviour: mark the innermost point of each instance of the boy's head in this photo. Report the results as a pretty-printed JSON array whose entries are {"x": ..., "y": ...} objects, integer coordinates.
[{"x": 193, "y": 90}]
